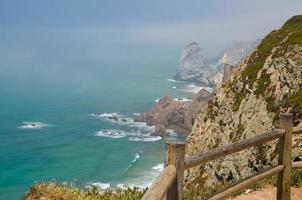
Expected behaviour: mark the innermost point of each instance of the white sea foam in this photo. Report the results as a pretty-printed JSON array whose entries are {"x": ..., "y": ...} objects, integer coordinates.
[
  {"x": 174, "y": 87},
  {"x": 136, "y": 158},
  {"x": 139, "y": 131},
  {"x": 182, "y": 99},
  {"x": 112, "y": 133},
  {"x": 171, "y": 80},
  {"x": 156, "y": 100},
  {"x": 195, "y": 88},
  {"x": 120, "y": 119},
  {"x": 99, "y": 185},
  {"x": 33, "y": 125},
  {"x": 144, "y": 139},
  {"x": 158, "y": 167}
]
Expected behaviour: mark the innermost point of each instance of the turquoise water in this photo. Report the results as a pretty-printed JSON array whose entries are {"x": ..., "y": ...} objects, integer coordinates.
[{"x": 66, "y": 143}]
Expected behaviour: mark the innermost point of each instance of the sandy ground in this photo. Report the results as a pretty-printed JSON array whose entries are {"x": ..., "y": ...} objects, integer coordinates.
[{"x": 269, "y": 193}]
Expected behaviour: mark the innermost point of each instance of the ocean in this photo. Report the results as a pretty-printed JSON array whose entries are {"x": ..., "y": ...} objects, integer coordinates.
[{"x": 56, "y": 127}]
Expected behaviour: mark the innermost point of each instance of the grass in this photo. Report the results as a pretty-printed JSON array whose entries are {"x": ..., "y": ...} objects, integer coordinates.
[
  {"x": 296, "y": 100},
  {"x": 291, "y": 29},
  {"x": 238, "y": 99},
  {"x": 262, "y": 83},
  {"x": 54, "y": 191}
]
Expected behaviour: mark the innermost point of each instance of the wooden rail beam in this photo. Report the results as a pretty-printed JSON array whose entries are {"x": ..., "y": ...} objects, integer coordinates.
[
  {"x": 297, "y": 130},
  {"x": 161, "y": 185},
  {"x": 246, "y": 182},
  {"x": 285, "y": 155},
  {"x": 233, "y": 148},
  {"x": 297, "y": 165}
]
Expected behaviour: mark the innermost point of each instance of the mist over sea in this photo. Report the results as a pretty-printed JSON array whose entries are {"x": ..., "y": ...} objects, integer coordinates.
[{"x": 54, "y": 126}]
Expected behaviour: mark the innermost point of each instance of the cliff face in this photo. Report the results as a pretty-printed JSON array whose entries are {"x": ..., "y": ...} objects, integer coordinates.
[{"x": 249, "y": 104}]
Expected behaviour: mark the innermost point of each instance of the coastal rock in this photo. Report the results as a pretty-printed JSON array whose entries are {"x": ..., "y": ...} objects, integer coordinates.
[{"x": 176, "y": 115}]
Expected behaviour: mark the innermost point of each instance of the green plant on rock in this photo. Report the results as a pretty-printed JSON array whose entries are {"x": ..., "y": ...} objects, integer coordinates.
[{"x": 295, "y": 100}]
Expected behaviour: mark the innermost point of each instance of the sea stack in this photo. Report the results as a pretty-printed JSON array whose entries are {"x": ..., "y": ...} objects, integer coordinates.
[{"x": 192, "y": 65}]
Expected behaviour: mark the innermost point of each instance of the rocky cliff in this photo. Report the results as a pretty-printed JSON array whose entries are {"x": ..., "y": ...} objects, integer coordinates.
[{"x": 266, "y": 82}]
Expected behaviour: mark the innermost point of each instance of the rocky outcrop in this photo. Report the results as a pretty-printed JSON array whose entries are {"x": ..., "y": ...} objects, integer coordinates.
[
  {"x": 192, "y": 65},
  {"x": 227, "y": 72},
  {"x": 176, "y": 115},
  {"x": 266, "y": 83}
]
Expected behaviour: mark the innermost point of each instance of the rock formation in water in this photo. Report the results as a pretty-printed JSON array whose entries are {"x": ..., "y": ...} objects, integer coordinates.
[
  {"x": 192, "y": 65},
  {"x": 266, "y": 82},
  {"x": 176, "y": 115}
]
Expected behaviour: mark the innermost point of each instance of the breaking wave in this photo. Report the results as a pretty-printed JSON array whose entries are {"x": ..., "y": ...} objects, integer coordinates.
[
  {"x": 139, "y": 131},
  {"x": 145, "y": 139},
  {"x": 195, "y": 89},
  {"x": 111, "y": 133},
  {"x": 99, "y": 185},
  {"x": 33, "y": 125}
]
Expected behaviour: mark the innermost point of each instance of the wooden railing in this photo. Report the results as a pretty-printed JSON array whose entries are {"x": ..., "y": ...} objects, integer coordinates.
[{"x": 169, "y": 185}]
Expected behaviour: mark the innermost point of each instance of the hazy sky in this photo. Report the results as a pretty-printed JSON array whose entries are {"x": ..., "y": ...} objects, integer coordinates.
[{"x": 58, "y": 33}]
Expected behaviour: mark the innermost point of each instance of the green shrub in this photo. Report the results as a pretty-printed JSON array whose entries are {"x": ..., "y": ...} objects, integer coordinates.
[{"x": 54, "y": 191}]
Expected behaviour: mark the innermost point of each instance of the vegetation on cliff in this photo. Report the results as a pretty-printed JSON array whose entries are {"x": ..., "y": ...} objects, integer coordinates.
[
  {"x": 54, "y": 191},
  {"x": 278, "y": 41},
  {"x": 266, "y": 83}
]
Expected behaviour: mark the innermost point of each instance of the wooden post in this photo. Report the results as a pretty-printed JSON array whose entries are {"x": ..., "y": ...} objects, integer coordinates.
[
  {"x": 285, "y": 151},
  {"x": 175, "y": 155}
]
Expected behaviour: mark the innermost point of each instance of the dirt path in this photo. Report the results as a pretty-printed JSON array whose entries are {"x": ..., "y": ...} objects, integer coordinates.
[{"x": 269, "y": 193}]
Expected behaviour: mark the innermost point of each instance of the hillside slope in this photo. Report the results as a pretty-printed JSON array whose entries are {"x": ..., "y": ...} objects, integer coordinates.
[{"x": 247, "y": 105}]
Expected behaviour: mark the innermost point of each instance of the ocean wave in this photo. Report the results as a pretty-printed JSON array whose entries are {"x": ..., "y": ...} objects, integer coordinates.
[
  {"x": 195, "y": 88},
  {"x": 112, "y": 133},
  {"x": 156, "y": 100},
  {"x": 182, "y": 99},
  {"x": 105, "y": 115},
  {"x": 174, "y": 87},
  {"x": 135, "y": 159},
  {"x": 33, "y": 125},
  {"x": 140, "y": 182},
  {"x": 144, "y": 139},
  {"x": 99, "y": 185},
  {"x": 123, "y": 120},
  {"x": 173, "y": 80},
  {"x": 158, "y": 167}
]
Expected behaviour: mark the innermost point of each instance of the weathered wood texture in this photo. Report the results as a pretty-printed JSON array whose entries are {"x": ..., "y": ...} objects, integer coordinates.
[
  {"x": 296, "y": 165},
  {"x": 297, "y": 130},
  {"x": 159, "y": 188},
  {"x": 175, "y": 155},
  {"x": 285, "y": 152},
  {"x": 232, "y": 148},
  {"x": 246, "y": 182}
]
